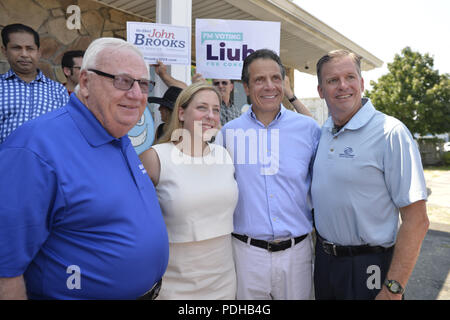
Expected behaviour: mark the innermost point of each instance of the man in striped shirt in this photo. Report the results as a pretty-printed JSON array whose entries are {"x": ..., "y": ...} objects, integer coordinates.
[{"x": 25, "y": 93}]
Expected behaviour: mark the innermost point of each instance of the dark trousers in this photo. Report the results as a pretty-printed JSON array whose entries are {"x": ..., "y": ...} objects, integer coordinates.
[{"x": 349, "y": 277}]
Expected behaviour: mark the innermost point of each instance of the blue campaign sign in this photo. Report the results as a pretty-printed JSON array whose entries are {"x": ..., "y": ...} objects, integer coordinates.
[{"x": 143, "y": 133}]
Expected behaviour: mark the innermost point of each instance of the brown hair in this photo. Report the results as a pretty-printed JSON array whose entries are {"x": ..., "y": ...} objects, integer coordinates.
[{"x": 334, "y": 55}]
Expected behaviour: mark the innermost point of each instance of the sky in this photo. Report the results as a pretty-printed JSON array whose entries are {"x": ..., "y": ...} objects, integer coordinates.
[{"x": 384, "y": 28}]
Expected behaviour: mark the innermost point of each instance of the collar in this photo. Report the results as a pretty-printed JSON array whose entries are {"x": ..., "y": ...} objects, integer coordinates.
[
  {"x": 360, "y": 119},
  {"x": 89, "y": 126},
  {"x": 252, "y": 115},
  {"x": 39, "y": 77},
  {"x": 227, "y": 105}
]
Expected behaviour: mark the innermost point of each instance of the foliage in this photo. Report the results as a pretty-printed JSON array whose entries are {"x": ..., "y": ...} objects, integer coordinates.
[
  {"x": 446, "y": 158},
  {"x": 414, "y": 93}
]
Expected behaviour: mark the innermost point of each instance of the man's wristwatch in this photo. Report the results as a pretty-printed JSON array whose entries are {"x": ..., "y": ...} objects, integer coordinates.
[
  {"x": 292, "y": 99},
  {"x": 394, "y": 287}
]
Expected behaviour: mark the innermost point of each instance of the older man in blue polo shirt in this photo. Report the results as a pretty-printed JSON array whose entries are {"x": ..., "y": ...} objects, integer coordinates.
[
  {"x": 25, "y": 92},
  {"x": 366, "y": 171},
  {"x": 79, "y": 215},
  {"x": 272, "y": 149}
]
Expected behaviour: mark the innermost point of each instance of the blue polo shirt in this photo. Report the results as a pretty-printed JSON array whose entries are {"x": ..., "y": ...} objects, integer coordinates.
[
  {"x": 79, "y": 215},
  {"x": 273, "y": 170}
]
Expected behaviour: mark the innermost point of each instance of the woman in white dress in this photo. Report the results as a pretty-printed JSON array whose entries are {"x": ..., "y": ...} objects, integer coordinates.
[{"x": 197, "y": 192}]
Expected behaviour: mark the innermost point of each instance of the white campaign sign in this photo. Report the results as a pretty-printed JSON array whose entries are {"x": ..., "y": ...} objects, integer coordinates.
[
  {"x": 168, "y": 43},
  {"x": 222, "y": 45}
]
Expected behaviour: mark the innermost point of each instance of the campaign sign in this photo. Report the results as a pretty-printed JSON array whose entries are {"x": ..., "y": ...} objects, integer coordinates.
[
  {"x": 167, "y": 43},
  {"x": 222, "y": 45}
]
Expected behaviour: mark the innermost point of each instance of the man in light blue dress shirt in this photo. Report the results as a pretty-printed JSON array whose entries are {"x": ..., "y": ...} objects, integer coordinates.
[{"x": 273, "y": 149}]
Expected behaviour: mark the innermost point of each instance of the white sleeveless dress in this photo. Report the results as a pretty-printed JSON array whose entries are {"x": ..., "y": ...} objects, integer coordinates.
[{"x": 198, "y": 196}]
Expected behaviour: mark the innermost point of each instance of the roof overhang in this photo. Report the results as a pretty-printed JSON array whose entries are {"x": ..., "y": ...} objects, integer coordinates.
[{"x": 304, "y": 38}]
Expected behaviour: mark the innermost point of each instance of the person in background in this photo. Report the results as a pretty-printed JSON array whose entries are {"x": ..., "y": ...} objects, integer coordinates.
[
  {"x": 367, "y": 171},
  {"x": 71, "y": 64},
  {"x": 197, "y": 192},
  {"x": 272, "y": 222},
  {"x": 228, "y": 110},
  {"x": 166, "y": 104},
  {"x": 25, "y": 92},
  {"x": 79, "y": 215}
]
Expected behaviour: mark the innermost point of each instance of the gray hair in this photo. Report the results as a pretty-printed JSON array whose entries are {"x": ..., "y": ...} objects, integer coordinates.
[{"x": 98, "y": 45}]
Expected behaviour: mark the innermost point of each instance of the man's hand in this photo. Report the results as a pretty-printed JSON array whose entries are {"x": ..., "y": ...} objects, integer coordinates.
[
  {"x": 198, "y": 77},
  {"x": 297, "y": 104},
  {"x": 12, "y": 288},
  {"x": 385, "y": 294},
  {"x": 161, "y": 71},
  {"x": 410, "y": 235},
  {"x": 287, "y": 88}
]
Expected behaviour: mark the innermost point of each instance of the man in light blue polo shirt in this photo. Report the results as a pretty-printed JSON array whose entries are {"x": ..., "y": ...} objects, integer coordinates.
[
  {"x": 367, "y": 170},
  {"x": 272, "y": 149},
  {"x": 79, "y": 215},
  {"x": 25, "y": 92}
]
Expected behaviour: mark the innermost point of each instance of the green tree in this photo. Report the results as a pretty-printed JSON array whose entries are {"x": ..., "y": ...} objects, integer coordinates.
[{"x": 414, "y": 93}]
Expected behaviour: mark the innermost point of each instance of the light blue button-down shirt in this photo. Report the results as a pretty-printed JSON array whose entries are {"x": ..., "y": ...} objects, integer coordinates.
[
  {"x": 273, "y": 172},
  {"x": 21, "y": 101}
]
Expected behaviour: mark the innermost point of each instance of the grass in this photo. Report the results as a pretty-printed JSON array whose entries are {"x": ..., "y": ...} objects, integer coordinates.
[{"x": 437, "y": 168}]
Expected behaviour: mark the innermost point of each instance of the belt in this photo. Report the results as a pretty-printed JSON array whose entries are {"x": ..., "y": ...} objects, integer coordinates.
[
  {"x": 271, "y": 246},
  {"x": 345, "y": 251},
  {"x": 152, "y": 293}
]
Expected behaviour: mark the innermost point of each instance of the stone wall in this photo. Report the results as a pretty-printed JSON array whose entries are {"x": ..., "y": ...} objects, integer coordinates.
[{"x": 48, "y": 18}]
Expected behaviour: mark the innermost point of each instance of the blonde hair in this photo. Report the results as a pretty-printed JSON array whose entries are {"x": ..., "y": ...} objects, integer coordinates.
[{"x": 184, "y": 99}]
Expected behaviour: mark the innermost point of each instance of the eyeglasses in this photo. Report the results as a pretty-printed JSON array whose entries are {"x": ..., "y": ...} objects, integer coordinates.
[
  {"x": 224, "y": 83},
  {"x": 125, "y": 83}
]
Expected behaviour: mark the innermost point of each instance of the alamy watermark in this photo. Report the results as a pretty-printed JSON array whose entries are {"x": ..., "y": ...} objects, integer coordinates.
[
  {"x": 74, "y": 280},
  {"x": 74, "y": 20},
  {"x": 251, "y": 146},
  {"x": 374, "y": 280}
]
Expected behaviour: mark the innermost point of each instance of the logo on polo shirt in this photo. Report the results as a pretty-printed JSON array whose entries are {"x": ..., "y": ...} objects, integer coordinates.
[
  {"x": 348, "y": 153},
  {"x": 141, "y": 167}
]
